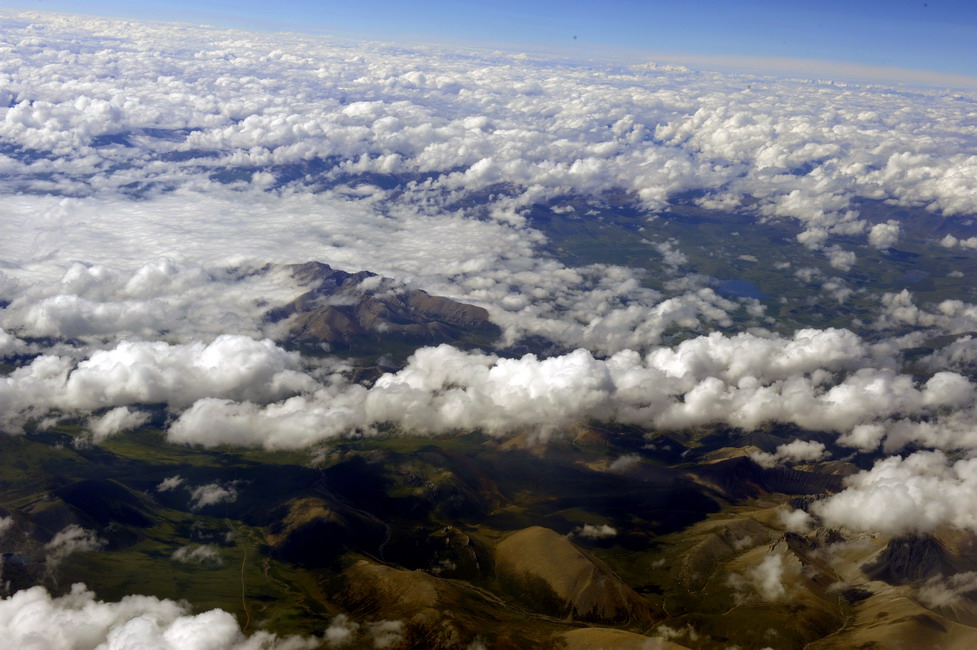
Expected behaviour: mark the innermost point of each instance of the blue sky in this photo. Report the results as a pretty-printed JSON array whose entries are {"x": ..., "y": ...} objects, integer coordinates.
[{"x": 933, "y": 35}]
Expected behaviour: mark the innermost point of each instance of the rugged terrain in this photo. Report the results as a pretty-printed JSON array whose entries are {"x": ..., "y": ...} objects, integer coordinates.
[{"x": 466, "y": 539}]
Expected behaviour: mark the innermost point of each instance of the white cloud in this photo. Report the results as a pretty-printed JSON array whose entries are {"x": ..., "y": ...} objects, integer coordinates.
[
  {"x": 385, "y": 634},
  {"x": 769, "y": 580},
  {"x": 212, "y": 494},
  {"x": 32, "y": 618},
  {"x": 117, "y": 420},
  {"x": 797, "y": 451},
  {"x": 136, "y": 372},
  {"x": 914, "y": 494},
  {"x": 814, "y": 379},
  {"x": 590, "y": 531},
  {"x": 840, "y": 259},
  {"x": 884, "y": 235},
  {"x": 71, "y": 539},
  {"x": 797, "y": 521},
  {"x": 10, "y": 345},
  {"x": 170, "y": 483},
  {"x": 134, "y": 223},
  {"x": 947, "y": 592},
  {"x": 803, "y": 150},
  {"x": 206, "y": 554},
  {"x": 624, "y": 463},
  {"x": 341, "y": 631},
  {"x": 866, "y": 437}
]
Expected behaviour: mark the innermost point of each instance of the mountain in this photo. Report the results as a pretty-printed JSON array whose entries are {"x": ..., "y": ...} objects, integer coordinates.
[
  {"x": 544, "y": 568},
  {"x": 363, "y": 311}
]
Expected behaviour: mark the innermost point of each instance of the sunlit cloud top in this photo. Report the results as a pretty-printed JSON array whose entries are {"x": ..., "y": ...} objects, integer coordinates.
[{"x": 872, "y": 37}]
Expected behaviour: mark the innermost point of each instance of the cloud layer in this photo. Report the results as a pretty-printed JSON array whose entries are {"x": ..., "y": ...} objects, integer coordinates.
[{"x": 149, "y": 179}]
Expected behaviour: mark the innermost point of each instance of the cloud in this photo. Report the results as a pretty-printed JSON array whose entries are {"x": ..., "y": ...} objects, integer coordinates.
[
  {"x": 71, "y": 539},
  {"x": 32, "y": 618},
  {"x": 624, "y": 463},
  {"x": 918, "y": 493},
  {"x": 769, "y": 580},
  {"x": 797, "y": 521},
  {"x": 797, "y": 451},
  {"x": 170, "y": 483},
  {"x": 385, "y": 634},
  {"x": 494, "y": 265},
  {"x": 461, "y": 125},
  {"x": 664, "y": 633},
  {"x": 840, "y": 259},
  {"x": 117, "y": 420},
  {"x": 138, "y": 227},
  {"x": 212, "y": 494},
  {"x": 10, "y": 345},
  {"x": 237, "y": 390},
  {"x": 884, "y": 235},
  {"x": 205, "y": 554},
  {"x": 155, "y": 298},
  {"x": 590, "y": 531},
  {"x": 815, "y": 379},
  {"x": 961, "y": 354},
  {"x": 947, "y": 592},
  {"x": 341, "y": 631},
  {"x": 137, "y": 372},
  {"x": 949, "y": 241},
  {"x": 865, "y": 437},
  {"x": 142, "y": 372}
]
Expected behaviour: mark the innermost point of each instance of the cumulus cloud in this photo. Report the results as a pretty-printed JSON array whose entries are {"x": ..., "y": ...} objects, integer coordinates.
[
  {"x": 664, "y": 633},
  {"x": 884, "y": 235},
  {"x": 341, "y": 631},
  {"x": 797, "y": 521},
  {"x": 961, "y": 354},
  {"x": 470, "y": 122},
  {"x": 624, "y": 463},
  {"x": 769, "y": 580},
  {"x": 385, "y": 634},
  {"x": 798, "y": 451},
  {"x": 10, "y": 345},
  {"x": 949, "y": 241},
  {"x": 205, "y": 554},
  {"x": 137, "y": 372},
  {"x": 947, "y": 592},
  {"x": 138, "y": 226},
  {"x": 71, "y": 539},
  {"x": 865, "y": 437},
  {"x": 815, "y": 379},
  {"x": 237, "y": 390},
  {"x": 190, "y": 145},
  {"x": 590, "y": 531},
  {"x": 33, "y": 618},
  {"x": 117, "y": 420},
  {"x": 212, "y": 494},
  {"x": 918, "y": 493},
  {"x": 839, "y": 258},
  {"x": 170, "y": 483}
]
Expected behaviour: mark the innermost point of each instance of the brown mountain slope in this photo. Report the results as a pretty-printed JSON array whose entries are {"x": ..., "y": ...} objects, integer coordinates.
[
  {"x": 354, "y": 310},
  {"x": 545, "y": 569},
  {"x": 594, "y": 638}
]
